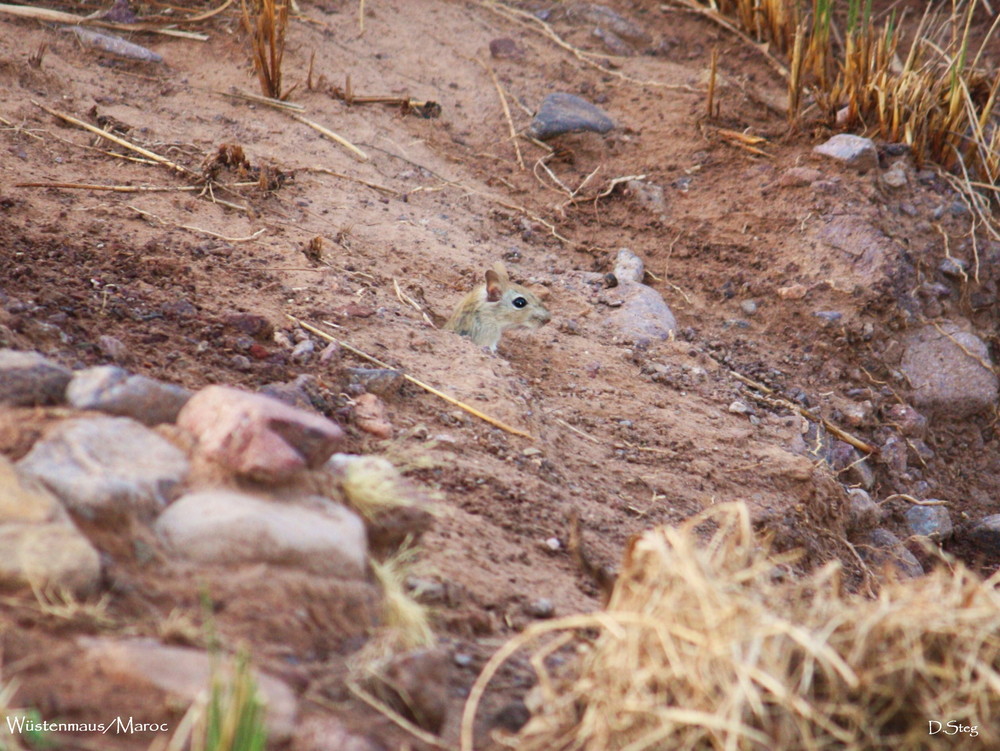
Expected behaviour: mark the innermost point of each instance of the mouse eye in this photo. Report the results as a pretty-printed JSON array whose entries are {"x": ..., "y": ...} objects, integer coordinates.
[{"x": 519, "y": 302}]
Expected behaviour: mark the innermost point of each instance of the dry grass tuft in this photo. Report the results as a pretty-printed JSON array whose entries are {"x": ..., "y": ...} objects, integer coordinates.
[
  {"x": 705, "y": 645},
  {"x": 267, "y": 39}
]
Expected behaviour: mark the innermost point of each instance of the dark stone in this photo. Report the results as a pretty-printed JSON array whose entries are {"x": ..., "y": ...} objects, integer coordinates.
[{"x": 564, "y": 113}]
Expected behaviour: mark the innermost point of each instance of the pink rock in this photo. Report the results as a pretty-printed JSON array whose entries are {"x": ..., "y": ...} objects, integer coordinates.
[
  {"x": 257, "y": 436},
  {"x": 371, "y": 416}
]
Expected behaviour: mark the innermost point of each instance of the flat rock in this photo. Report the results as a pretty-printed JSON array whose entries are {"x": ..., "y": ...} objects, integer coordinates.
[
  {"x": 854, "y": 151},
  {"x": 797, "y": 177},
  {"x": 28, "y": 379},
  {"x": 929, "y": 521},
  {"x": 257, "y": 436},
  {"x": 950, "y": 372},
  {"x": 25, "y": 499},
  {"x": 102, "y": 466},
  {"x": 564, "y": 113},
  {"x": 50, "y": 556},
  {"x": 117, "y": 392},
  {"x": 226, "y": 527},
  {"x": 881, "y": 549},
  {"x": 643, "y": 316},
  {"x": 186, "y": 674},
  {"x": 866, "y": 247}
]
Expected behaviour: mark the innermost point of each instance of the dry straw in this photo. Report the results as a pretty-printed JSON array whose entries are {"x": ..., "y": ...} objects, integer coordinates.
[{"x": 707, "y": 644}]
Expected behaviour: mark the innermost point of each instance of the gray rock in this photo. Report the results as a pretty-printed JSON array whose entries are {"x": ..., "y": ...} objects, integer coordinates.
[
  {"x": 830, "y": 316},
  {"x": 28, "y": 379},
  {"x": 186, "y": 675},
  {"x": 950, "y": 372},
  {"x": 866, "y": 247},
  {"x": 543, "y": 607},
  {"x": 303, "y": 351},
  {"x": 985, "y": 534},
  {"x": 563, "y": 113},
  {"x": 107, "y": 466},
  {"x": 854, "y": 151},
  {"x": 114, "y": 348},
  {"x": 629, "y": 267},
  {"x": 227, "y": 527},
  {"x": 384, "y": 382},
  {"x": 644, "y": 316},
  {"x": 862, "y": 512},
  {"x": 649, "y": 195},
  {"x": 907, "y": 420},
  {"x": 881, "y": 549},
  {"x": 929, "y": 521},
  {"x": 115, "y": 391},
  {"x": 895, "y": 176},
  {"x": 602, "y": 15},
  {"x": 613, "y": 43},
  {"x": 48, "y": 556},
  {"x": 953, "y": 267},
  {"x": 749, "y": 307},
  {"x": 893, "y": 454}
]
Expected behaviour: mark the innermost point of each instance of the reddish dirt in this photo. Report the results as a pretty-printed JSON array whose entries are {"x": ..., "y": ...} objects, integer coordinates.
[{"x": 626, "y": 437}]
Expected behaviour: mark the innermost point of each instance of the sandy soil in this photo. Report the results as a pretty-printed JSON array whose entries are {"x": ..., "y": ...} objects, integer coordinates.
[{"x": 626, "y": 437}]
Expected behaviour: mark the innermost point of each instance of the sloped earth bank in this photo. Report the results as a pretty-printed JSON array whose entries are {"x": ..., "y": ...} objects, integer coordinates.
[{"x": 793, "y": 270}]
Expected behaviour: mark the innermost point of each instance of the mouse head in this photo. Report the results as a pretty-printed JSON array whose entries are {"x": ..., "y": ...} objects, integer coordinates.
[{"x": 513, "y": 304}]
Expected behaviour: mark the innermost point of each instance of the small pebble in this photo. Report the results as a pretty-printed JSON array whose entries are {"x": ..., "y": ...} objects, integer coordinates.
[
  {"x": 303, "y": 351},
  {"x": 462, "y": 660},
  {"x": 241, "y": 363},
  {"x": 749, "y": 307},
  {"x": 541, "y": 608},
  {"x": 739, "y": 408},
  {"x": 553, "y": 544},
  {"x": 828, "y": 315}
]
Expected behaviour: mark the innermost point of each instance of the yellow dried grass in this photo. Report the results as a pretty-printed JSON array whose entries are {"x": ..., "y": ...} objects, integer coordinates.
[{"x": 706, "y": 645}]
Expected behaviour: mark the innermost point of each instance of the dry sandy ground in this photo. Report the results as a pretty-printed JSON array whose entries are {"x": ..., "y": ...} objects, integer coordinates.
[{"x": 626, "y": 437}]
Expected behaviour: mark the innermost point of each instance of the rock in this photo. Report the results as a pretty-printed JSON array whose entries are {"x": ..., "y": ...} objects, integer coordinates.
[
  {"x": 25, "y": 499},
  {"x": 256, "y": 436},
  {"x": 738, "y": 407},
  {"x": 114, "y": 348},
  {"x": 371, "y": 416},
  {"x": 383, "y": 382},
  {"x": 28, "y": 379},
  {"x": 563, "y": 113},
  {"x": 929, "y": 521},
  {"x": 416, "y": 683},
  {"x": 950, "y": 371},
  {"x": 107, "y": 466},
  {"x": 505, "y": 48},
  {"x": 252, "y": 325},
  {"x": 749, "y": 307},
  {"x": 907, "y": 420},
  {"x": 613, "y": 43},
  {"x": 953, "y": 267},
  {"x": 985, "y": 534},
  {"x": 644, "y": 316},
  {"x": 829, "y": 316},
  {"x": 326, "y": 733},
  {"x": 303, "y": 351},
  {"x": 303, "y": 392},
  {"x": 394, "y": 507},
  {"x": 893, "y": 454},
  {"x": 797, "y": 177},
  {"x": 854, "y": 151},
  {"x": 113, "y": 390},
  {"x": 862, "y": 512},
  {"x": 186, "y": 675},
  {"x": 895, "y": 176},
  {"x": 881, "y": 549},
  {"x": 605, "y": 17},
  {"x": 48, "y": 556},
  {"x": 629, "y": 267},
  {"x": 227, "y": 527},
  {"x": 648, "y": 195},
  {"x": 865, "y": 246},
  {"x": 541, "y": 608},
  {"x": 793, "y": 292}
]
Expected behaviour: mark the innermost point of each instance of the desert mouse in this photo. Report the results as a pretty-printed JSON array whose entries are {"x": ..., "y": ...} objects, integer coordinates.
[{"x": 494, "y": 307}]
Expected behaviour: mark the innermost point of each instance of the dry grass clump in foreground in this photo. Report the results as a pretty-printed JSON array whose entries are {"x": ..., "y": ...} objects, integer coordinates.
[{"x": 706, "y": 644}]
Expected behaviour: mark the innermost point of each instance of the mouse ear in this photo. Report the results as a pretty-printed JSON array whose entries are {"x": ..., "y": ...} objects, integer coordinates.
[
  {"x": 494, "y": 286},
  {"x": 501, "y": 271}
]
